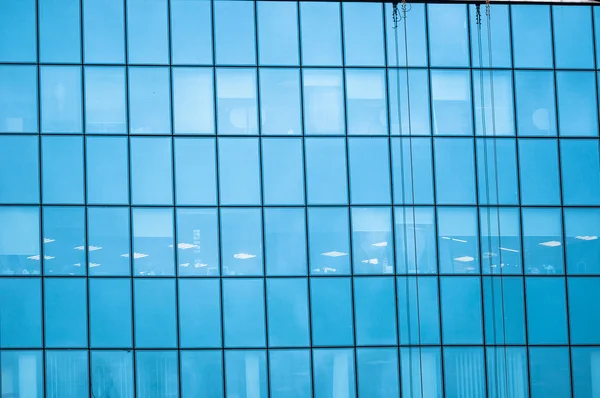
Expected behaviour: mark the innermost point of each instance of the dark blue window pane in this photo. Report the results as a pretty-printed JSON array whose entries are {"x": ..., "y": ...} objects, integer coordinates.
[
  {"x": 285, "y": 241},
  {"x": 241, "y": 241},
  {"x": 18, "y": 42},
  {"x": 532, "y": 36},
  {"x": 331, "y": 311},
  {"x": 67, "y": 374},
  {"x": 366, "y": 101},
  {"x": 412, "y": 170},
  {"x": 104, "y": 32},
  {"x": 246, "y": 374},
  {"x": 374, "y": 306},
  {"x": 504, "y": 310},
  {"x": 573, "y": 39},
  {"x": 363, "y": 39},
  {"x": 21, "y": 306},
  {"x": 64, "y": 240},
  {"x": 112, "y": 374},
  {"x": 507, "y": 372},
  {"x": 454, "y": 170},
  {"x": 108, "y": 239},
  {"x": 546, "y": 310},
  {"x": 19, "y": 240},
  {"x": 149, "y": 106},
  {"x": 369, "y": 170},
  {"x": 500, "y": 230},
  {"x": 536, "y": 109},
  {"x": 201, "y": 374},
  {"x": 451, "y": 101},
  {"x": 418, "y": 310},
  {"x": 458, "y": 240},
  {"x": 65, "y": 312},
  {"x": 22, "y": 374},
  {"x": 550, "y": 372},
  {"x": 499, "y": 31},
  {"x": 417, "y": 80},
  {"x": 538, "y": 169},
  {"x": 326, "y": 171},
  {"x": 110, "y": 312},
  {"x": 280, "y": 101},
  {"x": 378, "y": 372},
  {"x": 585, "y": 371},
  {"x": 323, "y": 99},
  {"x": 62, "y": 169},
  {"x": 416, "y": 32},
  {"x": 542, "y": 241},
  {"x": 448, "y": 36},
  {"x": 372, "y": 248},
  {"x": 584, "y": 310},
  {"x": 234, "y": 33},
  {"x": 199, "y": 313},
  {"x": 497, "y": 171},
  {"x": 328, "y": 240},
  {"x": 106, "y": 170},
  {"x": 147, "y": 32},
  {"x": 334, "y": 373},
  {"x": 198, "y": 242},
  {"x": 580, "y": 162},
  {"x": 155, "y": 313},
  {"x": 421, "y": 369},
  {"x": 191, "y": 32},
  {"x": 244, "y": 312},
  {"x": 153, "y": 252},
  {"x": 236, "y": 101},
  {"x": 18, "y": 98},
  {"x": 461, "y": 310},
  {"x": 289, "y": 372},
  {"x": 582, "y": 228},
  {"x": 277, "y": 32},
  {"x": 105, "y": 100},
  {"x": 156, "y": 374},
  {"x": 59, "y": 33},
  {"x": 19, "y": 169},
  {"x": 577, "y": 109},
  {"x": 415, "y": 240},
  {"x": 287, "y": 302},
  {"x": 61, "y": 99},
  {"x": 320, "y": 33},
  {"x": 193, "y": 101},
  {"x": 195, "y": 174},
  {"x": 283, "y": 171},
  {"x": 499, "y": 119},
  {"x": 151, "y": 176},
  {"x": 464, "y": 372}
]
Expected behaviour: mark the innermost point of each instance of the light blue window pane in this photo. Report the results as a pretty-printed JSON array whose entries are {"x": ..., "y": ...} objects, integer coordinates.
[
  {"x": 22, "y": 374},
  {"x": 372, "y": 247},
  {"x": 246, "y": 372},
  {"x": 18, "y": 41},
  {"x": 280, "y": 101},
  {"x": 421, "y": 369},
  {"x": 156, "y": 374},
  {"x": 149, "y": 101},
  {"x": 375, "y": 311},
  {"x": 19, "y": 240},
  {"x": 234, "y": 33},
  {"x": 147, "y": 32},
  {"x": 550, "y": 372},
  {"x": 104, "y": 32},
  {"x": 448, "y": 35},
  {"x": 584, "y": 310},
  {"x": 201, "y": 374},
  {"x": 195, "y": 171},
  {"x": 21, "y": 305},
  {"x": 577, "y": 108},
  {"x": 546, "y": 310},
  {"x": 536, "y": 110},
  {"x": 153, "y": 242},
  {"x": 105, "y": 100},
  {"x": 112, "y": 374},
  {"x": 500, "y": 240},
  {"x": 464, "y": 372},
  {"x": 199, "y": 313},
  {"x": 289, "y": 372},
  {"x": 418, "y": 310},
  {"x": 61, "y": 99},
  {"x": 582, "y": 228},
  {"x": 198, "y": 242},
  {"x": 59, "y": 31},
  {"x": 417, "y": 122},
  {"x": 498, "y": 30},
  {"x": 366, "y": 101},
  {"x": 369, "y": 170},
  {"x": 363, "y": 39},
  {"x": 378, "y": 372},
  {"x": 65, "y": 312},
  {"x": 106, "y": 170},
  {"x": 584, "y": 361},
  {"x": 596, "y": 16},
  {"x": 461, "y": 310},
  {"x": 19, "y": 169},
  {"x": 542, "y": 240},
  {"x": 497, "y": 115},
  {"x": 580, "y": 162},
  {"x": 110, "y": 312},
  {"x": 191, "y": 32},
  {"x": 18, "y": 98},
  {"x": 532, "y": 36},
  {"x": 497, "y": 171},
  {"x": 285, "y": 236},
  {"x": 193, "y": 111},
  {"x": 62, "y": 169},
  {"x": 244, "y": 312},
  {"x": 331, "y": 311},
  {"x": 287, "y": 305},
  {"x": 236, "y": 100},
  {"x": 155, "y": 315},
  {"x": 277, "y": 32},
  {"x": 507, "y": 372},
  {"x": 323, "y": 100},
  {"x": 239, "y": 171},
  {"x": 326, "y": 171},
  {"x": 108, "y": 229},
  {"x": 454, "y": 170},
  {"x": 151, "y": 176},
  {"x": 504, "y": 310},
  {"x": 334, "y": 373},
  {"x": 415, "y": 240},
  {"x": 283, "y": 171},
  {"x": 573, "y": 37},
  {"x": 328, "y": 240},
  {"x": 451, "y": 101},
  {"x": 538, "y": 171},
  {"x": 241, "y": 242},
  {"x": 412, "y": 170},
  {"x": 458, "y": 240},
  {"x": 320, "y": 33},
  {"x": 417, "y": 43},
  {"x": 64, "y": 240},
  {"x": 67, "y": 374}
]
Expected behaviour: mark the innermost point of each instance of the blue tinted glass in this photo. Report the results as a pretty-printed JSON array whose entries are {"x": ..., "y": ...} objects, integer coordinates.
[
  {"x": 285, "y": 241},
  {"x": 19, "y": 169},
  {"x": 538, "y": 171},
  {"x": 61, "y": 99},
  {"x": 18, "y": 98},
  {"x": 19, "y": 240},
  {"x": 280, "y": 101},
  {"x": 153, "y": 241},
  {"x": 320, "y": 33},
  {"x": 464, "y": 372},
  {"x": 507, "y": 372},
  {"x": 504, "y": 310},
  {"x": 65, "y": 312},
  {"x": 363, "y": 39},
  {"x": 375, "y": 311},
  {"x": 542, "y": 241},
  {"x": 198, "y": 242},
  {"x": 323, "y": 100},
  {"x": 378, "y": 372},
  {"x": 112, "y": 374},
  {"x": 195, "y": 174},
  {"x": 62, "y": 169},
  {"x": 239, "y": 171},
  {"x": 577, "y": 109},
  {"x": 277, "y": 32},
  {"x": 417, "y": 44},
  {"x": 246, "y": 374},
  {"x": 104, "y": 32},
  {"x": 67, "y": 374},
  {"x": 372, "y": 248},
  {"x": 500, "y": 240},
  {"x": 155, "y": 316},
  {"x": 334, "y": 373},
  {"x": 417, "y": 81},
  {"x": 549, "y": 372},
  {"x": 418, "y": 310},
  {"x": 461, "y": 310},
  {"x": 287, "y": 304},
  {"x": 149, "y": 106},
  {"x": 193, "y": 101},
  {"x": 573, "y": 37},
  {"x": 59, "y": 32},
  {"x": 584, "y": 306},
  {"x": 329, "y": 240},
  {"x": 498, "y": 119},
  {"x": 147, "y": 32},
  {"x": 421, "y": 369},
  {"x": 236, "y": 101},
  {"x": 582, "y": 228},
  {"x": 244, "y": 312},
  {"x": 415, "y": 240},
  {"x": 451, "y": 102},
  {"x": 241, "y": 242},
  {"x": 536, "y": 110},
  {"x": 532, "y": 36},
  {"x": 331, "y": 311},
  {"x": 108, "y": 239},
  {"x": 201, "y": 374},
  {"x": 326, "y": 171},
  {"x": 283, "y": 171},
  {"x": 110, "y": 312},
  {"x": 18, "y": 32},
  {"x": 448, "y": 35},
  {"x": 64, "y": 240},
  {"x": 199, "y": 313},
  {"x": 584, "y": 361},
  {"x": 106, "y": 170},
  {"x": 22, "y": 373},
  {"x": 191, "y": 32},
  {"x": 497, "y": 171},
  {"x": 21, "y": 305},
  {"x": 454, "y": 170},
  {"x": 498, "y": 27},
  {"x": 546, "y": 310},
  {"x": 151, "y": 176},
  {"x": 580, "y": 162},
  {"x": 366, "y": 101},
  {"x": 156, "y": 374},
  {"x": 412, "y": 170},
  {"x": 234, "y": 32},
  {"x": 105, "y": 98},
  {"x": 290, "y": 373},
  {"x": 369, "y": 170}
]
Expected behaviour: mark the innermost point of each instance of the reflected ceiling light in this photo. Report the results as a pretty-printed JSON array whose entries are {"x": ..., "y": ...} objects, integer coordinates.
[
  {"x": 243, "y": 256},
  {"x": 334, "y": 254},
  {"x": 551, "y": 243},
  {"x": 464, "y": 259},
  {"x": 371, "y": 261},
  {"x": 78, "y": 248},
  {"x": 93, "y": 265},
  {"x": 200, "y": 265},
  {"x": 36, "y": 257},
  {"x": 49, "y": 257},
  {"x": 509, "y": 250},
  {"x": 380, "y": 244},
  {"x": 135, "y": 255},
  {"x": 90, "y": 248},
  {"x": 445, "y": 237},
  {"x": 586, "y": 237},
  {"x": 325, "y": 269},
  {"x": 77, "y": 264},
  {"x": 48, "y": 240},
  {"x": 184, "y": 246},
  {"x": 184, "y": 265},
  {"x": 459, "y": 240}
]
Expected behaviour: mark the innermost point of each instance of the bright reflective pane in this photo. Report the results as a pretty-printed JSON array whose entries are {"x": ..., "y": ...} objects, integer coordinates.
[
  {"x": 246, "y": 373},
  {"x": 19, "y": 169},
  {"x": 18, "y": 41},
  {"x": 103, "y": 31},
  {"x": 106, "y": 170},
  {"x": 495, "y": 116},
  {"x": 193, "y": 107},
  {"x": 64, "y": 240},
  {"x": 290, "y": 373},
  {"x": 22, "y": 374},
  {"x": 546, "y": 310},
  {"x": 236, "y": 101},
  {"x": 156, "y": 374},
  {"x": 372, "y": 247},
  {"x": 61, "y": 99},
  {"x": 538, "y": 172},
  {"x": 18, "y": 98},
  {"x": 378, "y": 372},
  {"x": 149, "y": 101},
  {"x": 112, "y": 374},
  {"x": 67, "y": 374},
  {"x": 239, "y": 171},
  {"x": 500, "y": 230},
  {"x": 277, "y": 32},
  {"x": 573, "y": 38},
  {"x": 582, "y": 228},
  {"x": 458, "y": 240},
  {"x": 59, "y": 31},
  {"x": 448, "y": 36},
  {"x": 234, "y": 32},
  {"x": 334, "y": 372},
  {"x": 363, "y": 39},
  {"x": 195, "y": 174},
  {"x": 283, "y": 171},
  {"x": 110, "y": 312},
  {"x": 418, "y": 310},
  {"x": 331, "y": 312},
  {"x": 65, "y": 312},
  {"x": 577, "y": 109},
  {"x": 191, "y": 32},
  {"x": 412, "y": 174},
  {"x": 19, "y": 240},
  {"x": 199, "y": 313},
  {"x": 108, "y": 239},
  {"x": 454, "y": 170},
  {"x": 369, "y": 170},
  {"x": 415, "y": 240},
  {"x": 323, "y": 101},
  {"x": 532, "y": 36},
  {"x": 155, "y": 314},
  {"x": 542, "y": 240},
  {"x": 280, "y": 101},
  {"x": 198, "y": 242},
  {"x": 244, "y": 312},
  {"x": 287, "y": 305},
  {"x": 105, "y": 98},
  {"x": 285, "y": 241},
  {"x": 21, "y": 305},
  {"x": 153, "y": 252},
  {"x": 326, "y": 179},
  {"x": 151, "y": 176},
  {"x": 320, "y": 31},
  {"x": 536, "y": 110},
  {"x": 451, "y": 102},
  {"x": 366, "y": 101},
  {"x": 375, "y": 311},
  {"x": 499, "y": 33},
  {"x": 147, "y": 32},
  {"x": 201, "y": 374},
  {"x": 62, "y": 169},
  {"x": 329, "y": 240},
  {"x": 497, "y": 171},
  {"x": 461, "y": 310},
  {"x": 417, "y": 122},
  {"x": 416, "y": 32},
  {"x": 241, "y": 241}
]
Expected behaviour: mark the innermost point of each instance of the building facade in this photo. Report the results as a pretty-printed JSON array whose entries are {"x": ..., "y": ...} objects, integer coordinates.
[{"x": 298, "y": 199}]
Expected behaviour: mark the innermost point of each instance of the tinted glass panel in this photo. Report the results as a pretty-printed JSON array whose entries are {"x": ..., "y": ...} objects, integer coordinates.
[
  {"x": 421, "y": 372},
  {"x": 155, "y": 313},
  {"x": 546, "y": 310},
  {"x": 499, "y": 31},
  {"x": 538, "y": 172},
  {"x": 415, "y": 240},
  {"x": 412, "y": 170},
  {"x": 500, "y": 240},
  {"x": 400, "y": 82},
  {"x": 329, "y": 240},
  {"x": 416, "y": 31},
  {"x": 366, "y": 101},
  {"x": 461, "y": 310},
  {"x": 277, "y": 33},
  {"x": 198, "y": 242},
  {"x": 290, "y": 373},
  {"x": 18, "y": 41},
  {"x": 448, "y": 36},
  {"x": 369, "y": 170},
  {"x": 542, "y": 240},
  {"x": 323, "y": 100},
  {"x": 19, "y": 169},
  {"x": 363, "y": 39},
  {"x": 21, "y": 305},
  {"x": 201, "y": 374},
  {"x": 320, "y": 33},
  {"x": 105, "y": 98},
  {"x": 536, "y": 110},
  {"x": 61, "y": 99},
  {"x": 584, "y": 361},
  {"x": 334, "y": 373},
  {"x": 106, "y": 170},
  {"x": 582, "y": 228},
  {"x": 583, "y": 310},
  {"x": 464, "y": 371},
  {"x": 151, "y": 176},
  {"x": 451, "y": 102},
  {"x": 458, "y": 240},
  {"x": 147, "y": 32},
  {"x": 64, "y": 240},
  {"x": 110, "y": 312},
  {"x": 108, "y": 239},
  {"x": 67, "y": 374},
  {"x": 191, "y": 32},
  {"x": 65, "y": 312},
  {"x": 504, "y": 310},
  {"x": 418, "y": 310},
  {"x": 577, "y": 110},
  {"x": 236, "y": 101},
  {"x": 112, "y": 373},
  {"x": 239, "y": 171},
  {"x": 280, "y": 101},
  {"x": 244, "y": 312},
  {"x": 493, "y": 116},
  {"x": 156, "y": 374},
  {"x": 378, "y": 372},
  {"x": 22, "y": 373},
  {"x": 532, "y": 36},
  {"x": 104, "y": 33},
  {"x": 18, "y": 98},
  {"x": 246, "y": 374},
  {"x": 234, "y": 32},
  {"x": 549, "y": 371},
  {"x": 331, "y": 312},
  {"x": 149, "y": 100},
  {"x": 62, "y": 169},
  {"x": 573, "y": 37},
  {"x": 580, "y": 161},
  {"x": 372, "y": 248},
  {"x": 59, "y": 31},
  {"x": 287, "y": 304},
  {"x": 199, "y": 313},
  {"x": 454, "y": 170},
  {"x": 375, "y": 311},
  {"x": 193, "y": 101},
  {"x": 326, "y": 179},
  {"x": 241, "y": 241},
  {"x": 497, "y": 171},
  {"x": 285, "y": 240},
  {"x": 20, "y": 240},
  {"x": 283, "y": 171},
  {"x": 153, "y": 242},
  {"x": 195, "y": 174}
]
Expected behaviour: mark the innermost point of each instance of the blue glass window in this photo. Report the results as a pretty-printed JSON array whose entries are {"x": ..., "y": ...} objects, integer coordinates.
[
  {"x": 550, "y": 374},
  {"x": 18, "y": 97},
  {"x": 64, "y": 240},
  {"x": 421, "y": 372},
  {"x": 366, "y": 101},
  {"x": 542, "y": 240},
  {"x": 418, "y": 310},
  {"x": 65, "y": 312},
  {"x": 369, "y": 170},
  {"x": 584, "y": 361},
  {"x": 451, "y": 101},
  {"x": 283, "y": 171},
  {"x": 417, "y": 122},
  {"x": 22, "y": 373},
  {"x": 536, "y": 110},
  {"x": 198, "y": 242},
  {"x": 195, "y": 171},
  {"x": 375, "y": 311},
  {"x": 151, "y": 176},
  {"x": 234, "y": 33},
  {"x": 280, "y": 101},
  {"x": 199, "y": 313},
  {"x": 104, "y": 32},
  {"x": 287, "y": 303},
  {"x": 201, "y": 373},
  {"x": 19, "y": 169},
  {"x": 239, "y": 171},
  {"x": 499, "y": 31},
  {"x": 236, "y": 100},
  {"x": 580, "y": 162},
  {"x": 584, "y": 314},
  {"x": 62, "y": 169},
  {"x": 454, "y": 170},
  {"x": 106, "y": 170},
  {"x": 244, "y": 312},
  {"x": 500, "y": 230},
  {"x": 147, "y": 32},
  {"x": 448, "y": 35},
  {"x": 458, "y": 240},
  {"x": 334, "y": 373},
  {"x": 416, "y": 32},
  {"x": 461, "y": 310},
  {"x": 532, "y": 37},
  {"x": 372, "y": 248},
  {"x": 582, "y": 228},
  {"x": 321, "y": 31},
  {"x": 504, "y": 310},
  {"x": 18, "y": 41},
  {"x": 112, "y": 373},
  {"x": 290, "y": 373},
  {"x": 149, "y": 101},
  {"x": 105, "y": 100},
  {"x": 412, "y": 170},
  {"x": 323, "y": 99},
  {"x": 538, "y": 170},
  {"x": 67, "y": 374},
  {"x": 331, "y": 311},
  {"x": 277, "y": 32},
  {"x": 415, "y": 240},
  {"x": 193, "y": 107},
  {"x": 110, "y": 312},
  {"x": 153, "y": 241},
  {"x": 464, "y": 372},
  {"x": 156, "y": 374},
  {"x": 500, "y": 118},
  {"x": 241, "y": 242},
  {"x": 285, "y": 241},
  {"x": 326, "y": 171},
  {"x": 246, "y": 372},
  {"x": 61, "y": 99},
  {"x": 108, "y": 239},
  {"x": 363, "y": 39},
  {"x": 19, "y": 240},
  {"x": 577, "y": 109},
  {"x": 573, "y": 38},
  {"x": 507, "y": 372},
  {"x": 546, "y": 310},
  {"x": 378, "y": 372},
  {"x": 59, "y": 31},
  {"x": 497, "y": 171},
  {"x": 155, "y": 316},
  {"x": 191, "y": 32},
  {"x": 21, "y": 306},
  {"x": 329, "y": 240}
]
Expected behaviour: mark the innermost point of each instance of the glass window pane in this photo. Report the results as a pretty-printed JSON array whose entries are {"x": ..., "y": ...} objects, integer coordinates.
[
  {"x": 287, "y": 304},
  {"x": 584, "y": 307},
  {"x": 580, "y": 162},
  {"x": 372, "y": 249},
  {"x": 246, "y": 372},
  {"x": 153, "y": 241},
  {"x": 108, "y": 239},
  {"x": 500, "y": 240},
  {"x": 241, "y": 241},
  {"x": 19, "y": 240},
  {"x": 331, "y": 312},
  {"x": 320, "y": 33},
  {"x": 105, "y": 98},
  {"x": 498, "y": 115},
  {"x": 147, "y": 32},
  {"x": 532, "y": 36},
  {"x": 277, "y": 32},
  {"x": 67, "y": 374},
  {"x": 334, "y": 373},
  {"x": 22, "y": 373},
  {"x": 458, "y": 240},
  {"x": 536, "y": 110},
  {"x": 546, "y": 310},
  {"x": 378, "y": 372},
  {"x": 236, "y": 100},
  {"x": 21, "y": 305},
  {"x": 18, "y": 41},
  {"x": 64, "y": 240},
  {"x": 62, "y": 169},
  {"x": 244, "y": 312},
  {"x": 550, "y": 373},
  {"x": 542, "y": 240},
  {"x": 421, "y": 369},
  {"x": 149, "y": 101},
  {"x": 461, "y": 310},
  {"x": 201, "y": 374},
  {"x": 198, "y": 242},
  {"x": 323, "y": 100},
  {"x": 454, "y": 170},
  {"x": 65, "y": 312},
  {"x": 234, "y": 33},
  {"x": 18, "y": 97},
  {"x": 582, "y": 228},
  {"x": 497, "y": 171},
  {"x": 326, "y": 171},
  {"x": 366, "y": 101},
  {"x": 285, "y": 241},
  {"x": 573, "y": 37},
  {"x": 417, "y": 44},
  {"x": 577, "y": 109},
  {"x": 193, "y": 101},
  {"x": 155, "y": 317},
  {"x": 195, "y": 174},
  {"x": 283, "y": 171},
  {"x": 61, "y": 99},
  {"x": 104, "y": 32},
  {"x": 418, "y": 310},
  {"x": 538, "y": 171},
  {"x": 507, "y": 372},
  {"x": 239, "y": 171},
  {"x": 191, "y": 32},
  {"x": 584, "y": 361},
  {"x": 156, "y": 374},
  {"x": 110, "y": 312},
  {"x": 199, "y": 313},
  {"x": 59, "y": 31},
  {"x": 448, "y": 35},
  {"x": 375, "y": 311},
  {"x": 106, "y": 170},
  {"x": 499, "y": 31},
  {"x": 412, "y": 170},
  {"x": 451, "y": 101},
  {"x": 329, "y": 240},
  {"x": 464, "y": 371},
  {"x": 417, "y": 80},
  {"x": 369, "y": 170},
  {"x": 19, "y": 169},
  {"x": 112, "y": 374},
  {"x": 363, "y": 39},
  {"x": 504, "y": 310},
  {"x": 280, "y": 101},
  {"x": 151, "y": 176},
  {"x": 415, "y": 240},
  {"x": 289, "y": 372}
]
